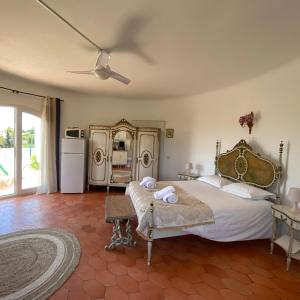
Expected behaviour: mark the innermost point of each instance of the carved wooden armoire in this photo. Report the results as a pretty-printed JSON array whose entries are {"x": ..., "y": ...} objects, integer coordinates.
[{"x": 122, "y": 153}]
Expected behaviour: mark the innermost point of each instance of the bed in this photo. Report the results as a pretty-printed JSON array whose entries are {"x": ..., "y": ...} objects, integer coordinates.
[{"x": 207, "y": 211}]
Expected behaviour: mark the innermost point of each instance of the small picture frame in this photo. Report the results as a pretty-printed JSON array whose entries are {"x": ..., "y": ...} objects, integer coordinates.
[{"x": 170, "y": 133}]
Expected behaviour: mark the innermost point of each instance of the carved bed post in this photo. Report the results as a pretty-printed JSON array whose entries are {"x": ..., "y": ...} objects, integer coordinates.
[
  {"x": 279, "y": 173},
  {"x": 218, "y": 143},
  {"x": 150, "y": 233}
]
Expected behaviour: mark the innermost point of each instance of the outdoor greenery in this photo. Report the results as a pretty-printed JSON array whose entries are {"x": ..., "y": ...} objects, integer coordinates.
[
  {"x": 7, "y": 138},
  {"x": 34, "y": 164},
  {"x": 28, "y": 138}
]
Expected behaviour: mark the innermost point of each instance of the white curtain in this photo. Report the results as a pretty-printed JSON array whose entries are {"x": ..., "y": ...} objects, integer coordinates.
[{"x": 48, "y": 155}]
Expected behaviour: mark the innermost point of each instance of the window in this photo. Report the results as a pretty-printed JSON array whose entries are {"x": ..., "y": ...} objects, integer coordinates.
[{"x": 20, "y": 140}]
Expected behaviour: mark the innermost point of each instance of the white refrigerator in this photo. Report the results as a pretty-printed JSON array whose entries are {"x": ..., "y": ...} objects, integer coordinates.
[{"x": 73, "y": 164}]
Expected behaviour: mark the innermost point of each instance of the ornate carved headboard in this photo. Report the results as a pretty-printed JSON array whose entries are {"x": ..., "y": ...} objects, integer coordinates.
[{"x": 243, "y": 164}]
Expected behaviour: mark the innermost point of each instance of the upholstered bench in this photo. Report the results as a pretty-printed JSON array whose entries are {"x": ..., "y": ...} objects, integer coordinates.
[{"x": 117, "y": 209}]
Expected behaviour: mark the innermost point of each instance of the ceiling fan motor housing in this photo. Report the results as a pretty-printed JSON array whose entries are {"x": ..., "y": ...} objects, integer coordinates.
[{"x": 102, "y": 73}]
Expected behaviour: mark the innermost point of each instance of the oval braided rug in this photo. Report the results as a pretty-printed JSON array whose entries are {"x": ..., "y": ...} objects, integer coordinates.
[{"x": 35, "y": 263}]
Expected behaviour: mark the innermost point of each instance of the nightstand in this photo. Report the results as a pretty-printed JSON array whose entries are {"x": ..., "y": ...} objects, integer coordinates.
[
  {"x": 187, "y": 176},
  {"x": 287, "y": 242}
]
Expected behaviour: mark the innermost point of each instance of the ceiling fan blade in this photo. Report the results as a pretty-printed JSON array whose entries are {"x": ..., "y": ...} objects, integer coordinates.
[
  {"x": 119, "y": 77},
  {"x": 89, "y": 72},
  {"x": 102, "y": 59}
]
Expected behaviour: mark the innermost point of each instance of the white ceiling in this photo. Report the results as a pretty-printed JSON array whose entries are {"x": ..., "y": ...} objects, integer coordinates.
[{"x": 168, "y": 48}]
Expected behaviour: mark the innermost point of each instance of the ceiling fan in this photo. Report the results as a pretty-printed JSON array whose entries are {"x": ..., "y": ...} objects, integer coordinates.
[{"x": 102, "y": 70}]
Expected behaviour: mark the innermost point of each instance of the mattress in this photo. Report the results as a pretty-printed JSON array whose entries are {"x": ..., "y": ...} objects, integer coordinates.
[{"x": 236, "y": 219}]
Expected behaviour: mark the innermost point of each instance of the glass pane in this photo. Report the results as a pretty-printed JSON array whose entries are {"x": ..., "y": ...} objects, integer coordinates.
[
  {"x": 31, "y": 141},
  {"x": 122, "y": 158},
  {"x": 7, "y": 150}
]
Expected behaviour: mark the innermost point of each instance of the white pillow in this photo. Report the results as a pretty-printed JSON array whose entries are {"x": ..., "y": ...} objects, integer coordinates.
[
  {"x": 215, "y": 180},
  {"x": 248, "y": 191}
]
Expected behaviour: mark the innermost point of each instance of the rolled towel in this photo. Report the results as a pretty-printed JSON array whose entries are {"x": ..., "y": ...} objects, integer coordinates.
[
  {"x": 146, "y": 179},
  {"x": 150, "y": 184},
  {"x": 159, "y": 195},
  {"x": 170, "y": 198}
]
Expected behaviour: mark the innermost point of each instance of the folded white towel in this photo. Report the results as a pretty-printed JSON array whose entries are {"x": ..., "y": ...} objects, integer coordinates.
[
  {"x": 159, "y": 195},
  {"x": 145, "y": 179},
  {"x": 170, "y": 198},
  {"x": 150, "y": 184}
]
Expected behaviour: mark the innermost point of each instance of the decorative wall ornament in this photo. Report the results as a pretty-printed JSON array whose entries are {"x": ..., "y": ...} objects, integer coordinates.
[
  {"x": 170, "y": 132},
  {"x": 247, "y": 120}
]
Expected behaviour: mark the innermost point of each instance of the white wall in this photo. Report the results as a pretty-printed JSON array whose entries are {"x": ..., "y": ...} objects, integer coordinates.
[
  {"x": 32, "y": 103},
  {"x": 200, "y": 120},
  {"x": 98, "y": 111},
  {"x": 82, "y": 110},
  {"x": 274, "y": 99}
]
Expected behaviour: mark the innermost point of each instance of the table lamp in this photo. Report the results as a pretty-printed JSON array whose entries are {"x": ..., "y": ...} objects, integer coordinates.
[
  {"x": 294, "y": 197},
  {"x": 188, "y": 167}
]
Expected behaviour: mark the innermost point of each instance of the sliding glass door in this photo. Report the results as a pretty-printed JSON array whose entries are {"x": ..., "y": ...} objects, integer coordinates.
[
  {"x": 7, "y": 151},
  {"x": 31, "y": 141},
  {"x": 20, "y": 140}
]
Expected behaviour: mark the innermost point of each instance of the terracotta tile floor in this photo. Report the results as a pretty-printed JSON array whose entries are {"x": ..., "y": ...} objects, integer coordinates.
[{"x": 183, "y": 268}]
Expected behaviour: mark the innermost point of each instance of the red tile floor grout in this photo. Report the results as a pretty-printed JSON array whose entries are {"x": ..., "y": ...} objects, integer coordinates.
[{"x": 187, "y": 267}]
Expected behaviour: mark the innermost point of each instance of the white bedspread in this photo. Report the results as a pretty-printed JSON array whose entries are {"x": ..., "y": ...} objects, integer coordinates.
[
  {"x": 236, "y": 218},
  {"x": 188, "y": 211}
]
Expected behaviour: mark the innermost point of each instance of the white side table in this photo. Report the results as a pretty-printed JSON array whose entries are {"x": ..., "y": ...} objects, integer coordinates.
[
  {"x": 187, "y": 176},
  {"x": 287, "y": 242}
]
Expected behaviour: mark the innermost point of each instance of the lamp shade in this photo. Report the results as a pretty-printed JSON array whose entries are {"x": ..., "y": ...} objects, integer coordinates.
[
  {"x": 294, "y": 197},
  {"x": 294, "y": 194},
  {"x": 188, "y": 166}
]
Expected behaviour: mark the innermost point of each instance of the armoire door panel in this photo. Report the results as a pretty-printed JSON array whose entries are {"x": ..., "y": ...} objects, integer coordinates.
[
  {"x": 99, "y": 156},
  {"x": 146, "y": 142},
  {"x": 147, "y": 155},
  {"x": 143, "y": 172}
]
